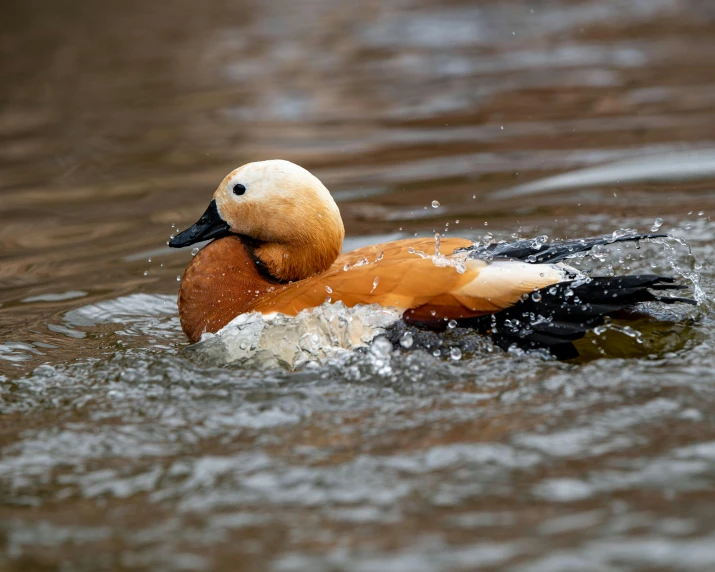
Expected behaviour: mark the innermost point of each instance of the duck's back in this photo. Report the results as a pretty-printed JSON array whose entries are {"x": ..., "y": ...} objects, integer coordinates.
[{"x": 406, "y": 275}]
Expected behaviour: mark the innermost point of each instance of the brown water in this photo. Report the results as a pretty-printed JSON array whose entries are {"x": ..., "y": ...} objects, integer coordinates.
[{"x": 566, "y": 118}]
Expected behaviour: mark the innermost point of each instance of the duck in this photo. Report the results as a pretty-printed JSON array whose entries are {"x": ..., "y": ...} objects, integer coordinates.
[{"x": 276, "y": 248}]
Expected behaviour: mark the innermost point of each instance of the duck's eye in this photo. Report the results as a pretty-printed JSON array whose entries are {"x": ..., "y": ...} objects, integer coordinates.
[{"x": 239, "y": 189}]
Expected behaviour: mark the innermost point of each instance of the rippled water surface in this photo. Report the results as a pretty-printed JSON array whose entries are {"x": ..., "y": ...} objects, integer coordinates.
[{"x": 121, "y": 450}]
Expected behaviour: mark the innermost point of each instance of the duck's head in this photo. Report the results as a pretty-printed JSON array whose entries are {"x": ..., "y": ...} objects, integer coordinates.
[{"x": 286, "y": 214}]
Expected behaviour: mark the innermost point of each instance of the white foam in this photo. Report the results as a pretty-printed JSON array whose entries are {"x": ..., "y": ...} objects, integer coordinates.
[{"x": 313, "y": 336}]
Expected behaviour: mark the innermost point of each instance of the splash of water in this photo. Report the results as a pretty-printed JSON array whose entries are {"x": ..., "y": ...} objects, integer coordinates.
[
  {"x": 691, "y": 272},
  {"x": 625, "y": 330},
  {"x": 313, "y": 336},
  {"x": 458, "y": 260}
]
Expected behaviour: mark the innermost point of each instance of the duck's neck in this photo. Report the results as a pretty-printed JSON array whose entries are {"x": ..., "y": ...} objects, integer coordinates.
[
  {"x": 221, "y": 282},
  {"x": 297, "y": 261},
  {"x": 301, "y": 245}
]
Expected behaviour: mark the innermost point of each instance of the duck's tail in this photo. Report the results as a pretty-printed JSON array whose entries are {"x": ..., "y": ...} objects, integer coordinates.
[{"x": 554, "y": 317}]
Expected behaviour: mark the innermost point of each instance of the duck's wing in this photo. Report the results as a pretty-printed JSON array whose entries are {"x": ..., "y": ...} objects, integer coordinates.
[
  {"x": 535, "y": 251},
  {"x": 408, "y": 276}
]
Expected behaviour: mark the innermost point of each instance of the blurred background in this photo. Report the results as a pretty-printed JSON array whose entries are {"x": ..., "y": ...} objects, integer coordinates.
[{"x": 119, "y": 118}]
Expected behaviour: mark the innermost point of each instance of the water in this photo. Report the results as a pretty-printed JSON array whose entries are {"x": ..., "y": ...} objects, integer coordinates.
[{"x": 121, "y": 448}]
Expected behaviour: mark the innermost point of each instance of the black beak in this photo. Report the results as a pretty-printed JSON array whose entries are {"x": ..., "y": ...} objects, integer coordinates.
[{"x": 210, "y": 225}]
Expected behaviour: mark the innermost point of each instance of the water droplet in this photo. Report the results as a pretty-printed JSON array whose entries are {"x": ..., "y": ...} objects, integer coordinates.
[
  {"x": 194, "y": 251},
  {"x": 148, "y": 259},
  {"x": 411, "y": 250},
  {"x": 433, "y": 312},
  {"x": 657, "y": 223},
  {"x": 536, "y": 296},
  {"x": 406, "y": 340},
  {"x": 456, "y": 221},
  {"x": 436, "y": 353},
  {"x": 346, "y": 267},
  {"x": 374, "y": 284},
  {"x": 452, "y": 324},
  {"x": 435, "y": 204},
  {"x": 455, "y": 354},
  {"x": 380, "y": 256},
  {"x": 178, "y": 278},
  {"x": 146, "y": 272},
  {"x": 328, "y": 289}
]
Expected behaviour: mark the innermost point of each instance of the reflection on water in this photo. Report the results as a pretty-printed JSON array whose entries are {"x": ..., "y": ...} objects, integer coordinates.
[
  {"x": 674, "y": 167},
  {"x": 119, "y": 451}
]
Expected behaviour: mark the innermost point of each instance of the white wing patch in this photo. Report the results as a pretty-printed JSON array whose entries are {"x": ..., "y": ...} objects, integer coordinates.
[{"x": 502, "y": 282}]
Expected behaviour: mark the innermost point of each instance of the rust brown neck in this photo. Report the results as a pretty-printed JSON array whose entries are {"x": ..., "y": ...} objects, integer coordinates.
[{"x": 222, "y": 281}]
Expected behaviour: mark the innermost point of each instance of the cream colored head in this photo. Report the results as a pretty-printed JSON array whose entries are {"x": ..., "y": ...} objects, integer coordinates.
[
  {"x": 274, "y": 201},
  {"x": 288, "y": 212}
]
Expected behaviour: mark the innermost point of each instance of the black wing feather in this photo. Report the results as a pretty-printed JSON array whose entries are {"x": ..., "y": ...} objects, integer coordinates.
[{"x": 533, "y": 251}]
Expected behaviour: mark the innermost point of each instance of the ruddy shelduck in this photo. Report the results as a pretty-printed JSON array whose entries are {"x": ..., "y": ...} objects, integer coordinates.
[{"x": 277, "y": 245}]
